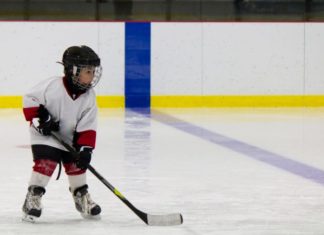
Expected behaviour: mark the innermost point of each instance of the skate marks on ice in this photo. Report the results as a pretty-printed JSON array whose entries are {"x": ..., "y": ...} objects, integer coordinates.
[{"x": 76, "y": 226}]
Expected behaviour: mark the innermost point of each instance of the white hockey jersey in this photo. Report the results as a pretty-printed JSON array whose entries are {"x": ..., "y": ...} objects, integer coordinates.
[{"x": 77, "y": 115}]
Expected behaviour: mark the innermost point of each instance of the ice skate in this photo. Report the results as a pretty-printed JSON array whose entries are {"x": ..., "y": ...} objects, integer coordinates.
[
  {"x": 84, "y": 204},
  {"x": 32, "y": 208}
]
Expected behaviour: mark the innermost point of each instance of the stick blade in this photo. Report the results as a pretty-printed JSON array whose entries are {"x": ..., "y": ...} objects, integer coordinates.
[{"x": 164, "y": 220}]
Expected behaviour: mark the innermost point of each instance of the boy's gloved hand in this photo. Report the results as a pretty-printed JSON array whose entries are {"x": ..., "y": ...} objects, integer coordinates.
[
  {"x": 84, "y": 157},
  {"x": 46, "y": 124}
]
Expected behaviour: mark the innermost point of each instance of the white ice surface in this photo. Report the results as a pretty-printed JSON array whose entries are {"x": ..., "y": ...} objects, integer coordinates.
[{"x": 163, "y": 170}]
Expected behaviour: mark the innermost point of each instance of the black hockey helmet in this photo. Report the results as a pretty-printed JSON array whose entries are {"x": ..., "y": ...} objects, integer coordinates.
[
  {"x": 77, "y": 57},
  {"x": 80, "y": 55}
]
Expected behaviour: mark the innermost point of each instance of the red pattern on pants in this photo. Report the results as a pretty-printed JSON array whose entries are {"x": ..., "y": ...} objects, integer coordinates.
[
  {"x": 72, "y": 169},
  {"x": 47, "y": 167},
  {"x": 44, "y": 166}
]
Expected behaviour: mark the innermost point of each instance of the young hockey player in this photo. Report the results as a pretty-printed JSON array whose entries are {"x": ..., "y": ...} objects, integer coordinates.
[{"x": 66, "y": 105}]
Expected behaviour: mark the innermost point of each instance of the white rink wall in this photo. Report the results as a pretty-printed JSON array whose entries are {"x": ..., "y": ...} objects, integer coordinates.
[
  {"x": 29, "y": 52},
  {"x": 186, "y": 58},
  {"x": 238, "y": 58}
]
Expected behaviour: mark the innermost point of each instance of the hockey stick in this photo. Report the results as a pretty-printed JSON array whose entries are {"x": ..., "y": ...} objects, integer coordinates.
[{"x": 153, "y": 220}]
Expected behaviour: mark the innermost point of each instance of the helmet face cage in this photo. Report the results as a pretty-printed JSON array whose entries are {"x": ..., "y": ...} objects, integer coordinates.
[
  {"x": 76, "y": 76},
  {"x": 75, "y": 59}
]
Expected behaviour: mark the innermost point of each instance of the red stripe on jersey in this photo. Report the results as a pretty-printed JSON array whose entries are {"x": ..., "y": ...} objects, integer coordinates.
[
  {"x": 72, "y": 169},
  {"x": 87, "y": 138},
  {"x": 44, "y": 166},
  {"x": 30, "y": 113}
]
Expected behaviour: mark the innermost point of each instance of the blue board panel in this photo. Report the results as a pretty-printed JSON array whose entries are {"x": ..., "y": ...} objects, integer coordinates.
[{"x": 137, "y": 65}]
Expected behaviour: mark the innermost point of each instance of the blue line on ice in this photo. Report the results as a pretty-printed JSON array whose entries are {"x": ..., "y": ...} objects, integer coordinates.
[{"x": 254, "y": 152}]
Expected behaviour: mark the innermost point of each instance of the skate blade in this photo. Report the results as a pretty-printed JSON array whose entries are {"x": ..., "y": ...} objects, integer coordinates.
[
  {"x": 90, "y": 217},
  {"x": 29, "y": 218}
]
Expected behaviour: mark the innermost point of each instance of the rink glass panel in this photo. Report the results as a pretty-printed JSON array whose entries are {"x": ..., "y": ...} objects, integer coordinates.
[{"x": 163, "y": 10}]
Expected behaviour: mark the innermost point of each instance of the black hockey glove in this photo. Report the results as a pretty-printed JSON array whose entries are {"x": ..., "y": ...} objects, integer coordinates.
[
  {"x": 46, "y": 122},
  {"x": 84, "y": 158}
]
